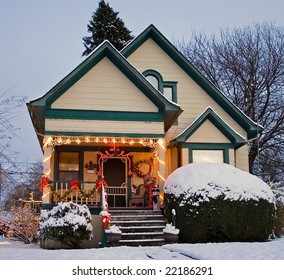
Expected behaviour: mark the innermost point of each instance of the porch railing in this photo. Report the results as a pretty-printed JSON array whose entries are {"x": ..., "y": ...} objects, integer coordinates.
[{"x": 84, "y": 193}]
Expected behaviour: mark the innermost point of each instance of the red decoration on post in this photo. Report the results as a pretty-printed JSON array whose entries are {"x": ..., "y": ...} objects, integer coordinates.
[
  {"x": 75, "y": 185},
  {"x": 101, "y": 182},
  {"x": 44, "y": 182},
  {"x": 105, "y": 216}
]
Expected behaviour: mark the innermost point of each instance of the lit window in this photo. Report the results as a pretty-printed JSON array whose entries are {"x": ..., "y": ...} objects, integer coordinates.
[
  {"x": 68, "y": 166},
  {"x": 215, "y": 156}
]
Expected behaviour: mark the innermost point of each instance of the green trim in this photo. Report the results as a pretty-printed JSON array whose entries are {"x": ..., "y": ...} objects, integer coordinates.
[
  {"x": 152, "y": 32},
  {"x": 131, "y": 135},
  {"x": 162, "y": 84},
  {"x": 103, "y": 115},
  {"x": 170, "y": 110},
  {"x": 157, "y": 75},
  {"x": 218, "y": 122},
  {"x": 205, "y": 146}
]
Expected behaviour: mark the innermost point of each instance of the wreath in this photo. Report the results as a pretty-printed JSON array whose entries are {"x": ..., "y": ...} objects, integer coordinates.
[{"x": 137, "y": 168}]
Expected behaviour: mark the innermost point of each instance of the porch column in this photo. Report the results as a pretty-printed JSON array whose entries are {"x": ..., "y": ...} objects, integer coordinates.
[
  {"x": 46, "y": 197},
  {"x": 162, "y": 162}
]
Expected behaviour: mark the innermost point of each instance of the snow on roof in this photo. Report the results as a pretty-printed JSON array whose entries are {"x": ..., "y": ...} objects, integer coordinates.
[{"x": 210, "y": 180}]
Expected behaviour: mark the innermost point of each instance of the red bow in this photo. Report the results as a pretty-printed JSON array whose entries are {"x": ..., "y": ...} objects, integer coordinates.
[
  {"x": 101, "y": 182},
  {"x": 44, "y": 182},
  {"x": 74, "y": 185}
]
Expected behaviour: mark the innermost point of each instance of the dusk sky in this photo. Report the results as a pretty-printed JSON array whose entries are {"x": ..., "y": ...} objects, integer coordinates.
[{"x": 41, "y": 41}]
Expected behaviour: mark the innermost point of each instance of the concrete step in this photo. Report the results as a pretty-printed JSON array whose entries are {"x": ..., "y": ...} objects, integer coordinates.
[
  {"x": 132, "y": 229},
  {"x": 142, "y": 235},
  {"x": 142, "y": 242},
  {"x": 140, "y": 227},
  {"x": 127, "y": 217}
]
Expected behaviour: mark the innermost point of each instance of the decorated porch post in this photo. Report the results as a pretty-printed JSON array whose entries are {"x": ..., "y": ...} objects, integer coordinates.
[
  {"x": 46, "y": 197},
  {"x": 162, "y": 163}
]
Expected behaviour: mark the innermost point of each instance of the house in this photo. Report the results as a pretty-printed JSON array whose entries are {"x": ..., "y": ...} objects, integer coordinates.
[{"x": 132, "y": 117}]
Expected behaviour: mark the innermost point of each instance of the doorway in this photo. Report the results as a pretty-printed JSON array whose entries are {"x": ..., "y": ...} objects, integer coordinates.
[{"x": 114, "y": 171}]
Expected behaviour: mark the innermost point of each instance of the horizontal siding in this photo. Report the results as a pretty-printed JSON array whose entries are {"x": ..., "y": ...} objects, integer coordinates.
[
  {"x": 95, "y": 126},
  {"x": 242, "y": 158},
  {"x": 191, "y": 97},
  {"x": 105, "y": 87},
  {"x": 207, "y": 133}
]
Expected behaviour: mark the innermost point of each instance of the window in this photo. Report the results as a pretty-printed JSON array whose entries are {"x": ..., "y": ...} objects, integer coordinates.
[
  {"x": 68, "y": 166},
  {"x": 153, "y": 81},
  {"x": 169, "y": 89},
  {"x": 168, "y": 92},
  {"x": 216, "y": 156}
]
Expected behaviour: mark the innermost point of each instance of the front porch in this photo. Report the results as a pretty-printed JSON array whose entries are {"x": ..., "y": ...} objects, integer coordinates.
[{"x": 130, "y": 167}]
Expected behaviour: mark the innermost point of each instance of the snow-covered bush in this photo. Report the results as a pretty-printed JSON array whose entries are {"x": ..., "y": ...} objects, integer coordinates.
[
  {"x": 68, "y": 223},
  {"x": 278, "y": 190},
  {"x": 218, "y": 202}
]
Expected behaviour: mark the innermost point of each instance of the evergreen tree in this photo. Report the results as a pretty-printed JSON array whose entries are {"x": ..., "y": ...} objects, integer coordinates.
[{"x": 106, "y": 25}]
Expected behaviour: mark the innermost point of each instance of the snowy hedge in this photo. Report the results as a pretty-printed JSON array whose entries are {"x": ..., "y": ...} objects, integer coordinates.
[
  {"x": 68, "y": 223},
  {"x": 218, "y": 202}
]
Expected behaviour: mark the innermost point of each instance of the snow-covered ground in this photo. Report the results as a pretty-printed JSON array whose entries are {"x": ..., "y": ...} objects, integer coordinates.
[{"x": 11, "y": 249}]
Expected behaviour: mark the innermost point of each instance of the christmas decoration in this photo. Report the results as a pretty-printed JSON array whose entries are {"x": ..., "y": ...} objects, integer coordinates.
[
  {"x": 137, "y": 168},
  {"x": 106, "y": 217},
  {"x": 44, "y": 182}
]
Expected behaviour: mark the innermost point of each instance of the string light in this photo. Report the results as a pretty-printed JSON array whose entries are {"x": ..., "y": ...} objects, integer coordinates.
[
  {"x": 62, "y": 140},
  {"x": 161, "y": 176}
]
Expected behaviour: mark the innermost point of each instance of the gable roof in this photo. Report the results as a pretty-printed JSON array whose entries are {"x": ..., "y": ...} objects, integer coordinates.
[
  {"x": 209, "y": 114},
  {"x": 37, "y": 107},
  {"x": 152, "y": 32}
]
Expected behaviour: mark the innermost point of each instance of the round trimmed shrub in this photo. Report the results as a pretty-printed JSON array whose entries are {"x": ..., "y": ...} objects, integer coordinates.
[
  {"x": 68, "y": 223},
  {"x": 219, "y": 203}
]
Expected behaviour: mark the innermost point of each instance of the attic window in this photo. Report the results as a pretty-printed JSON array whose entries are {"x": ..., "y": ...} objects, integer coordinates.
[
  {"x": 153, "y": 81},
  {"x": 169, "y": 89}
]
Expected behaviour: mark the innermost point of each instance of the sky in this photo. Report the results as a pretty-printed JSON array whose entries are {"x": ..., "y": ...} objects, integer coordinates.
[{"x": 41, "y": 41}]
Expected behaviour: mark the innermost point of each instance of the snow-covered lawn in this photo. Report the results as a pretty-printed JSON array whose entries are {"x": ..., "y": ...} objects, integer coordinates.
[{"x": 11, "y": 249}]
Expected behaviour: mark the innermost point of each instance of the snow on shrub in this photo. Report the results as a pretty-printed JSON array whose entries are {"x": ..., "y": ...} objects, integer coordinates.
[
  {"x": 278, "y": 190},
  {"x": 218, "y": 202},
  {"x": 67, "y": 222}
]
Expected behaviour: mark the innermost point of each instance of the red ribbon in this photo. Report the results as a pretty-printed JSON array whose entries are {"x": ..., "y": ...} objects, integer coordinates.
[
  {"x": 101, "y": 182},
  {"x": 44, "y": 182},
  {"x": 74, "y": 185},
  {"x": 105, "y": 221}
]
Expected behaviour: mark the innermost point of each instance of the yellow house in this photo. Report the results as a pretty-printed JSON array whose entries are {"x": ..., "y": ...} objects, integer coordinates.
[{"x": 130, "y": 115}]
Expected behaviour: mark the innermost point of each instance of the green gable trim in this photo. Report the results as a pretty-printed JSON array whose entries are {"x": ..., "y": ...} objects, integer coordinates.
[
  {"x": 170, "y": 110},
  {"x": 152, "y": 32},
  {"x": 104, "y": 134},
  {"x": 162, "y": 83},
  {"x": 218, "y": 122},
  {"x": 103, "y": 115},
  {"x": 107, "y": 50}
]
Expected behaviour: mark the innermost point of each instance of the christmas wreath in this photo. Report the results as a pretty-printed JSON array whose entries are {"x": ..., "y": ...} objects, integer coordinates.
[{"x": 137, "y": 168}]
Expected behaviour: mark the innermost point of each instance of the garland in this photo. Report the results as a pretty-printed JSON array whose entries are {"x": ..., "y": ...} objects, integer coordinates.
[
  {"x": 74, "y": 186},
  {"x": 137, "y": 165}
]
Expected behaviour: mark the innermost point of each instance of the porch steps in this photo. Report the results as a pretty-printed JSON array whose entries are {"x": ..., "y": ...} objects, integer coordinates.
[{"x": 139, "y": 227}]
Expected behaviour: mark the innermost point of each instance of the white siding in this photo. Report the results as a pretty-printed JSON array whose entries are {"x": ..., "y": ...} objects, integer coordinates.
[
  {"x": 192, "y": 98},
  {"x": 105, "y": 87},
  {"x": 99, "y": 126}
]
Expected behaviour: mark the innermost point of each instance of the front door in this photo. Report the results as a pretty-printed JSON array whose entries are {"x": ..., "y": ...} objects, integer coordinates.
[{"x": 115, "y": 174}]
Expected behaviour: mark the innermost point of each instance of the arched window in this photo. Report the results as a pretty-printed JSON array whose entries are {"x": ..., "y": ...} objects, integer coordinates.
[{"x": 169, "y": 89}]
